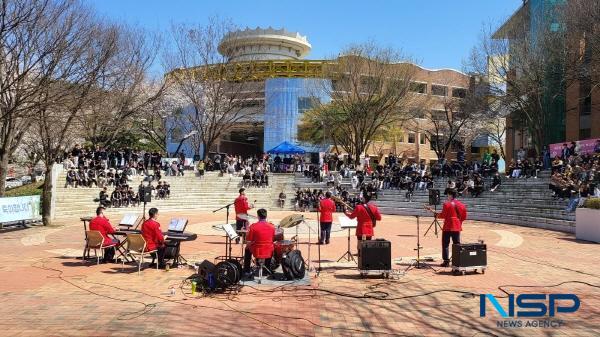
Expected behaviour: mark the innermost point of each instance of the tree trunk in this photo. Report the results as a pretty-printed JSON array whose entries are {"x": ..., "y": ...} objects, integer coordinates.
[
  {"x": 3, "y": 171},
  {"x": 47, "y": 196}
]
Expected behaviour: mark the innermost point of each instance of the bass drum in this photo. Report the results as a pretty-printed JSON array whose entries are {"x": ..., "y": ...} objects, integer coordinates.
[
  {"x": 227, "y": 273},
  {"x": 293, "y": 265}
]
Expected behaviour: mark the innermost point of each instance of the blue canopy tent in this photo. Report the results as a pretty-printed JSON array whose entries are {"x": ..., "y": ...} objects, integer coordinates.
[{"x": 286, "y": 148}]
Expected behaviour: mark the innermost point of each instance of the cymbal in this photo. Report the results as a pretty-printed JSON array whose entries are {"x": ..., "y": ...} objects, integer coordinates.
[
  {"x": 246, "y": 217},
  {"x": 292, "y": 220}
]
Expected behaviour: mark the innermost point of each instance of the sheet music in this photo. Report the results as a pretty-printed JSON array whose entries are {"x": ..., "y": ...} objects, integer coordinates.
[
  {"x": 129, "y": 219},
  {"x": 177, "y": 224},
  {"x": 346, "y": 222},
  {"x": 230, "y": 231}
]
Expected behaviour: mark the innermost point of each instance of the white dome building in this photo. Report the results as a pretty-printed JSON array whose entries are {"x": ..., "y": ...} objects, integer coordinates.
[{"x": 264, "y": 44}]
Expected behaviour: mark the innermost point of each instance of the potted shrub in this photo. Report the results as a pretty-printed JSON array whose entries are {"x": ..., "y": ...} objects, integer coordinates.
[{"x": 587, "y": 221}]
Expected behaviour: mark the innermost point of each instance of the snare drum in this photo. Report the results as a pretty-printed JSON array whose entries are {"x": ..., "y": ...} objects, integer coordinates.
[{"x": 282, "y": 247}]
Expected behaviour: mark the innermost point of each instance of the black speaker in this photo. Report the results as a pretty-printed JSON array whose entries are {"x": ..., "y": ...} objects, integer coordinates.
[
  {"x": 469, "y": 255},
  {"x": 145, "y": 194},
  {"x": 205, "y": 267},
  {"x": 375, "y": 255},
  {"x": 434, "y": 197}
]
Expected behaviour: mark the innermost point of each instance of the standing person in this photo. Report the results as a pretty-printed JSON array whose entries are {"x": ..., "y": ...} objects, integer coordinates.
[
  {"x": 241, "y": 211},
  {"x": 454, "y": 213},
  {"x": 154, "y": 237},
  {"x": 367, "y": 215},
  {"x": 326, "y": 209},
  {"x": 101, "y": 224}
]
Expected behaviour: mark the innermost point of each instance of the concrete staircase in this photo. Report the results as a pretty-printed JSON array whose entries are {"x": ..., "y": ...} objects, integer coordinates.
[
  {"x": 187, "y": 193},
  {"x": 525, "y": 202}
]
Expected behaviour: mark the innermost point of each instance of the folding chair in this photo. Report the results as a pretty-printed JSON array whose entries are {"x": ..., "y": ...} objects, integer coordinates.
[
  {"x": 94, "y": 240},
  {"x": 136, "y": 246}
]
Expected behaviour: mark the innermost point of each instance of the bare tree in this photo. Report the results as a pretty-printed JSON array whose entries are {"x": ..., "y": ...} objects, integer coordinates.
[
  {"x": 25, "y": 47},
  {"x": 84, "y": 48},
  {"x": 369, "y": 90},
  {"x": 582, "y": 21},
  {"x": 213, "y": 87},
  {"x": 123, "y": 91},
  {"x": 525, "y": 73}
]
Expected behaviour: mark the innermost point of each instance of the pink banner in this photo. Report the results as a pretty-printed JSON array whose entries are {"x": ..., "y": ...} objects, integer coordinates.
[{"x": 582, "y": 147}]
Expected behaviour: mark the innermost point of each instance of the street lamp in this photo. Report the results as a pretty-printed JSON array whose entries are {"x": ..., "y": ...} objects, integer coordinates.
[{"x": 184, "y": 139}]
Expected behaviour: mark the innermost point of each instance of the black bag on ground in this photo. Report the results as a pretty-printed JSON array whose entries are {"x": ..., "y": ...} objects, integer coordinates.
[{"x": 293, "y": 265}]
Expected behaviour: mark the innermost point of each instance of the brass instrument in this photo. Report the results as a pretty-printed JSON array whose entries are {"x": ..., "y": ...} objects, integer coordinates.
[{"x": 338, "y": 199}]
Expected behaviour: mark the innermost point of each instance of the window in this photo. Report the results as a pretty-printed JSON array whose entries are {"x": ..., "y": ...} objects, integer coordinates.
[
  {"x": 420, "y": 88},
  {"x": 422, "y": 139},
  {"x": 439, "y": 90},
  {"x": 438, "y": 115},
  {"x": 306, "y": 103},
  {"x": 250, "y": 104},
  {"x": 459, "y": 92},
  {"x": 411, "y": 138},
  {"x": 416, "y": 113}
]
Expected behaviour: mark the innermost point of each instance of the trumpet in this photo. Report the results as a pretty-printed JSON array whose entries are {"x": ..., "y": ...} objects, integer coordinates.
[{"x": 338, "y": 199}]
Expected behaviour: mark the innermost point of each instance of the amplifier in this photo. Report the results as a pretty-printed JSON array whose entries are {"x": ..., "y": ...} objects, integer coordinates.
[
  {"x": 375, "y": 255},
  {"x": 469, "y": 255}
]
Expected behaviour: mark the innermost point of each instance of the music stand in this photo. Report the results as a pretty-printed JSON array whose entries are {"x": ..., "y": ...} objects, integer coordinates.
[
  {"x": 435, "y": 223},
  {"x": 417, "y": 263},
  {"x": 230, "y": 235},
  {"x": 347, "y": 223}
]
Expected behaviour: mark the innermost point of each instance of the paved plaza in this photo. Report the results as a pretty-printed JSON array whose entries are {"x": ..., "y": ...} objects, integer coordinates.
[{"x": 47, "y": 290}]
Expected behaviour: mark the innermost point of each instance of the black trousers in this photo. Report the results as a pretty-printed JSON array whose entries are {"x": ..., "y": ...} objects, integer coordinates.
[
  {"x": 446, "y": 236},
  {"x": 160, "y": 254},
  {"x": 248, "y": 260},
  {"x": 325, "y": 232},
  {"x": 239, "y": 224}
]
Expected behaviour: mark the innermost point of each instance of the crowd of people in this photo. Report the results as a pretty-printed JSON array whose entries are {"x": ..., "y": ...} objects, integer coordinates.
[{"x": 575, "y": 176}]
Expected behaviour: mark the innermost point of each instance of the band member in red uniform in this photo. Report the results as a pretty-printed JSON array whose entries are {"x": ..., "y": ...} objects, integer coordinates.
[
  {"x": 366, "y": 215},
  {"x": 454, "y": 213},
  {"x": 241, "y": 208},
  {"x": 259, "y": 241},
  {"x": 154, "y": 237},
  {"x": 101, "y": 224},
  {"x": 326, "y": 207}
]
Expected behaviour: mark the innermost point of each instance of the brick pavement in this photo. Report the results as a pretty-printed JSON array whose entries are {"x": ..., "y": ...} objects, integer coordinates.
[{"x": 46, "y": 291}]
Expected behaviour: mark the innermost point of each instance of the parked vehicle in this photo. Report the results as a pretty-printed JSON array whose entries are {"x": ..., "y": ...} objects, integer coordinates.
[{"x": 13, "y": 182}]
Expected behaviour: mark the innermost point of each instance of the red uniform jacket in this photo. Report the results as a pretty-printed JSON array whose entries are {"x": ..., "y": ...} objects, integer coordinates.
[
  {"x": 326, "y": 207},
  {"x": 241, "y": 206},
  {"x": 102, "y": 225},
  {"x": 365, "y": 225},
  {"x": 261, "y": 234},
  {"x": 152, "y": 234},
  {"x": 453, "y": 216}
]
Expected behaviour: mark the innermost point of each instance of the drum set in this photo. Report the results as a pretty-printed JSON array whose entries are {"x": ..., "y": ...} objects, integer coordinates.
[{"x": 281, "y": 246}]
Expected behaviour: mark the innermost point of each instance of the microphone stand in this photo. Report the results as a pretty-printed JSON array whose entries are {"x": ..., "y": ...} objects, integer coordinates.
[
  {"x": 228, "y": 243},
  {"x": 320, "y": 239}
]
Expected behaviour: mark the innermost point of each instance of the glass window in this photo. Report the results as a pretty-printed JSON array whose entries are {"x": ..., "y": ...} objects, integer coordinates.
[
  {"x": 306, "y": 103},
  {"x": 411, "y": 138},
  {"x": 422, "y": 139},
  {"x": 417, "y": 87},
  {"x": 439, "y": 90},
  {"x": 416, "y": 113},
  {"x": 459, "y": 92},
  {"x": 438, "y": 115}
]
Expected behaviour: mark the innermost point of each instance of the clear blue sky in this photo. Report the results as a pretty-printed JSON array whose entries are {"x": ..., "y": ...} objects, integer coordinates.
[{"x": 436, "y": 33}]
